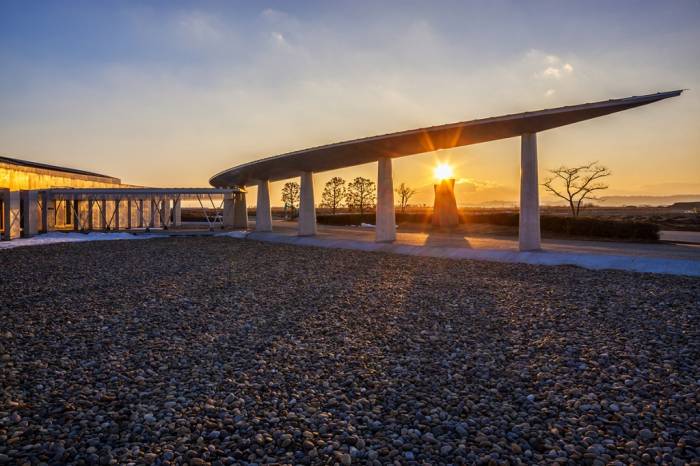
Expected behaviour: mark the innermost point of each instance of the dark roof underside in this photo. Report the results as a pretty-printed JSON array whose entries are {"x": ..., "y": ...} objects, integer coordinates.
[{"x": 417, "y": 141}]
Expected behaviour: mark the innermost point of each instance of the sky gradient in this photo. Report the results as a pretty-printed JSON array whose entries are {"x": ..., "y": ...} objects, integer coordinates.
[{"x": 170, "y": 93}]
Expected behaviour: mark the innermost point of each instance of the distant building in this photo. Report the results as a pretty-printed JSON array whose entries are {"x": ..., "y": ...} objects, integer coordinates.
[
  {"x": 18, "y": 174},
  {"x": 18, "y": 177}
]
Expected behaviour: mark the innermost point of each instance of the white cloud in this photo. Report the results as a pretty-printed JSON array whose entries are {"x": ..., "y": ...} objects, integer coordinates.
[
  {"x": 278, "y": 38},
  {"x": 549, "y": 66},
  {"x": 198, "y": 28}
]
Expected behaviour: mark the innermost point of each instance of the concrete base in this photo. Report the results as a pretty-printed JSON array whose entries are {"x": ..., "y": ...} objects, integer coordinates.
[{"x": 386, "y": 216}]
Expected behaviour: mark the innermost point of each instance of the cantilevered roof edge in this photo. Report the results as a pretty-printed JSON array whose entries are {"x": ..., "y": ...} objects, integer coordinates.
[{"x": 623, "y": 104}]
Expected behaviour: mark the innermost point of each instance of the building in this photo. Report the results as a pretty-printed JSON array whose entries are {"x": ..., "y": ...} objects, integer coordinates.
[
  {"x": 21, "y": 179},
  {"x": 384, "y": 148}
]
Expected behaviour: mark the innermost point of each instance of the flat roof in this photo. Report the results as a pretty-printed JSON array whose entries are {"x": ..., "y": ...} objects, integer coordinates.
[
  {"x": 422, "y": 140},
  {"x": 45, "y": 166}
]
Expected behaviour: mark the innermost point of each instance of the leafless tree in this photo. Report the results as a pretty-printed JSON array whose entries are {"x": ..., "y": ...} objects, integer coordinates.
[
  {"x": 405, "y": 193},
  {"x": 333, "y": 194},
  {"x": 361, "y": 194},
  {"x": 576, "y": 183},
  {"x": 290, "y": 197}
]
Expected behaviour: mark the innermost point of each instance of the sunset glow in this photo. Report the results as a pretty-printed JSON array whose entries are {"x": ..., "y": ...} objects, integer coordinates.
[{"x": 443, "y": 171}]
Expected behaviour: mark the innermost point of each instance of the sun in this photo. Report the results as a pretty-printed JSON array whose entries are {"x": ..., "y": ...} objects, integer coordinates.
[{"x": 442, "y": 171}]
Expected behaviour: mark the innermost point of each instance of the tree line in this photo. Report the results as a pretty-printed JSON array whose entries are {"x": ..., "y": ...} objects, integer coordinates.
[
  {"x": 574, "y": 185},
  {"x": 359, "y": 195}
]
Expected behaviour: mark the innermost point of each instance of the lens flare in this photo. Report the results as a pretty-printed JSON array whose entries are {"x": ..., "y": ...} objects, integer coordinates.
[{"x": 443, "y": 171}]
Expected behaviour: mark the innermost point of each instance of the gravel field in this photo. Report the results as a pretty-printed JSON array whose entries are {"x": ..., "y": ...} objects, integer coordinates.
[{"x": 223, "y": 351}]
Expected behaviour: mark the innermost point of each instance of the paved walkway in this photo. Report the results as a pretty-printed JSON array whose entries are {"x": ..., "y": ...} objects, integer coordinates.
[{"x": 680, "y": 259}]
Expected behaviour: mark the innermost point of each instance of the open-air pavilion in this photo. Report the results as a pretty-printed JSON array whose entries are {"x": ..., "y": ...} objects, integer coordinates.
[{"x": 382, "y": 149}]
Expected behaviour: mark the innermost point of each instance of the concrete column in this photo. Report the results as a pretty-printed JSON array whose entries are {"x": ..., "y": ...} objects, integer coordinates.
[
  {"x": 385, "y": 230},
  {"x": 165, "y": 214},
  {"x": 48, "y": 209},
  {"x": 140, "y": 223},
  {"x": 117, "y": 212},
  {"x": 529, "y": 229},
  {"x": 307, "y": 210},
  {"x": 240, "y": 212},
  {"x": 128, "y": 213},
  {"x": 11, "y": 214},
  {"x": 177, "y": 212},
  {"x": 103, "y": 214},
  {"x": 90, "y": 215},
  {"x": 263, "y": 213},
  {"x": 154, "y": 212},
  {"x": 229, "y": 203},
  {"x": 30, "y": 217},
  {"x": 77, "y": 222}
]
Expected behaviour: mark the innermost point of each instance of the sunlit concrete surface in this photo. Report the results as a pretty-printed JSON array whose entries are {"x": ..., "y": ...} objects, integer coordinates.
[{"x": 678, "y": 259}]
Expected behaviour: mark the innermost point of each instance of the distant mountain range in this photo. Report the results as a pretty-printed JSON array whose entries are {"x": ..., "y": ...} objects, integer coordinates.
[{"x": 646, "y": 200}]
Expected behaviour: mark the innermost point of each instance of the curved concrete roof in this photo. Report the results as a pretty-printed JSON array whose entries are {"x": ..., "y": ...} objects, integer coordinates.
[{"x": 417, "y": 141}]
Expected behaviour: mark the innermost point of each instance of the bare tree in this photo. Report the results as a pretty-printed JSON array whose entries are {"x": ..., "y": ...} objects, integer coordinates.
[
  {"x": 405, "y": 193},
  {"x": 290, "y": 197},
  {"x": 576, "y": 184},
  {"x": 361, "y": 194},
  {"x": 333, "y": 194}
]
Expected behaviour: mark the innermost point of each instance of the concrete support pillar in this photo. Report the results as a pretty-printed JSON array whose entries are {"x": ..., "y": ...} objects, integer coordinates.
[
  {"x": 103, "y": 214},
  {"x": 128, "y": 213},
  {"x": 177, "y": 212},
  {"x": 165, "y": 213},
  {"x": 11, "y": 214},
  {"x": 117, "y": 212},
  {"x": 48, "y": 210},
  {"x": 30, "y": 214},
  {"x": 154, "y": 213},
  {"x": 140, "y": 222},
  {"x": 229, "y": 203},
  {"x": 307, "y": 210},
  {"x": 240, "y": 212},
  {"x": 77, "y": 215},
  {"x": 385, "y": 230},
  {"x": 90, "y": 215},
  {"x": 529, "y": 228},
  {"x": 263, "y": 212}
]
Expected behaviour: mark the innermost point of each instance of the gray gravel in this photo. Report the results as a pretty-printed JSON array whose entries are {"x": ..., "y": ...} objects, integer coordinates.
[{"x": 222, "y": 351}]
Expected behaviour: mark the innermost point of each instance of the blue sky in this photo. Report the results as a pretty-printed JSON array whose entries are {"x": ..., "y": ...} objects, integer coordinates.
[{"x": 168, "y": 93}]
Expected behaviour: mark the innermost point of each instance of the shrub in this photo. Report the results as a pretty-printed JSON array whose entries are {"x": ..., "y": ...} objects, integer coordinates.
[{"x": 569, "y": 226}]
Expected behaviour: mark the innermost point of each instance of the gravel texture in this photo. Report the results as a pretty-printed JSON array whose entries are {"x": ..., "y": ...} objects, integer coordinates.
[{"x": 224, "y": 351}]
